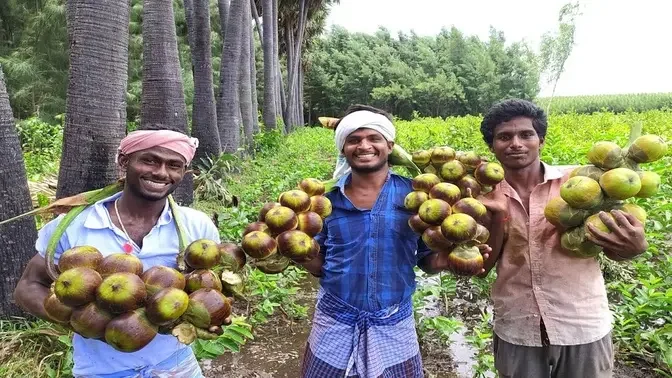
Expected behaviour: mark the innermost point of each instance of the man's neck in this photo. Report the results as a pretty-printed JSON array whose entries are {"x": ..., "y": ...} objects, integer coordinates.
[
  {"x": 525, "y": 179},
  {"x": 138, "y": 208},
  {"x": 368, "y": 181}
]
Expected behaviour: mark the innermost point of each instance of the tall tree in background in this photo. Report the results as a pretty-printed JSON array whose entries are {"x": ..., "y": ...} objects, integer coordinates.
[
  {"x": 18, "y": 237},
  {"x": 228, "y": 103},
  {"x": 204, "y": 116},
  {"x": 245, "y": 78},
  {"x": 95, "y": 120},
  {"x": 162, "y": 90},
  {"x": 253, "y": 80},
  {"x": 556, "y": 48},
  {"x": 270, "y": 73}
]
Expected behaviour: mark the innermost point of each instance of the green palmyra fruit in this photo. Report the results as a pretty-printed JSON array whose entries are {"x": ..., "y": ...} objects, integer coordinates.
[
  {"x": 130, "y": 332},
  {"x": 56, "y": 310},
  {"x": 620, "y": 183},
  {"x": 90, "y": 321},
  {"x": 588, "y": 171},
  {"x": 80, "y": 256},
  {"x": 465, "y": 260},
  {"x": 415, "y": 199},
  {"x": 574, "y": 241},
  {"x": 202, "y": 254},
  {"x": 606, "y": 155},
  {"x": 121, "y": 292},
  {"x": 434, "y": 211},
  {"x": 161, "y": 277},
  {"x": 647, "y": 149},
  {"x": 77, "y": 286},
  {"x": 634, "y": 210},
  {"x": 560, "y": 214},
  {"x": 120, "y": 262},
  {"x": 424, "y": 182},
  {"x": 166, "y": 306},
  {"x": 581, "y": 192},
  {"x": 650, "y": 184},
  {"x": 207, "y": 308},
  {"x": 202, "y": 278},
  {"x": 459, "y": 228}
]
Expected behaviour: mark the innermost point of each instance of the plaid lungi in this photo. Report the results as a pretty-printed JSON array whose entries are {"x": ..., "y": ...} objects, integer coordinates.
[{"x": 347, "y": 342}]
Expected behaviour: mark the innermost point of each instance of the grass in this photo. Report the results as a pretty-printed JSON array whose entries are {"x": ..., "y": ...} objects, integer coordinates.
[{"x": 34, "y": 349}]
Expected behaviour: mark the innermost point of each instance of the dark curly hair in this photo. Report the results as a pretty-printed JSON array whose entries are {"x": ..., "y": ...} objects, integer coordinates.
[{"x": 507, "y": 110}]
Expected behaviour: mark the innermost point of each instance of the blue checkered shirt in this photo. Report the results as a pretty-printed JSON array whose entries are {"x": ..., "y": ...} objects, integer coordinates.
[{"x": 369, "y": 254}]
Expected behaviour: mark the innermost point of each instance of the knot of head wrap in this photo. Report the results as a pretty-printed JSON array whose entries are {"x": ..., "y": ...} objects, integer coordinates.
[
  {"x": 143, "y": 139},
  {"x": 354, "y": 121}
]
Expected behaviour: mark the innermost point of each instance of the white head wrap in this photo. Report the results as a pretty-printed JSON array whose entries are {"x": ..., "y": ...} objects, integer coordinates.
[{"x": 354, "y": 121}]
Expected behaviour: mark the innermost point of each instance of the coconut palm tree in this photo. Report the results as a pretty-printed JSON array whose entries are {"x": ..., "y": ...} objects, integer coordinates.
[
  {"x": 19, "y": 236},
  {"x": 162, "y": 89},
  {"x": 95, "y": 119}
]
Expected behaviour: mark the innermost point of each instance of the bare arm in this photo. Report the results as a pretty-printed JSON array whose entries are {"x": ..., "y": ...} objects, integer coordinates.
[{"x": 33, "y": 288}]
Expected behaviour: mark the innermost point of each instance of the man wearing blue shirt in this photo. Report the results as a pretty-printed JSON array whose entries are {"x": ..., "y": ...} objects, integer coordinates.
[
  {"x": 363, "y": 323},
  {"x": 138, "y": 220}
]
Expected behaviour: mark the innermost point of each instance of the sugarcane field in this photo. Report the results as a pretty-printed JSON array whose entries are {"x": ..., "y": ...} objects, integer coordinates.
[{"x": 338, "y": 188}]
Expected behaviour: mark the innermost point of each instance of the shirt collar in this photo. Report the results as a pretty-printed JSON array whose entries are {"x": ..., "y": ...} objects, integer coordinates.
[
  {"x": 99, "y": 217},
  {"x": 551, "y": 172}
]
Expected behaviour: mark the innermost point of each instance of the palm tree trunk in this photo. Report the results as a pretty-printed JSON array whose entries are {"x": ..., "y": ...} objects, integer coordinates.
[
  {"x": 255, "y": 14},
  {"x": 270, "y": 79},
  {"x": 229, "y": 102},
  {"x": 204, "y": 116},
  {"x": 293, "y": 65},
  {"x": 280, "y": 89},
  {"x": 253, "y": 85},
  {"x": 163, "y": 104},
  {"x": 223, "y": 6},
  {"x": 95, "y": 120},
  {"x": 18, "y": 237},
  {"x": 244, "y": 88}
]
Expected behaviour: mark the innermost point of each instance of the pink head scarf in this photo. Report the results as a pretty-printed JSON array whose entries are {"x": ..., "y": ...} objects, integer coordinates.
[{"x": 143, "y": 139}]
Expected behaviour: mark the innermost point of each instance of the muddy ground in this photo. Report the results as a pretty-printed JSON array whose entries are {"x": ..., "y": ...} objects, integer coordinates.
[{"x": 279, "y": 344}]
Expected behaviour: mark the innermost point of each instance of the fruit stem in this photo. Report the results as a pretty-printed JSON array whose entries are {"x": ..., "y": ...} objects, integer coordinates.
[
  {"x": 181, "y": 236},
  {"x": 635, "y": 132}
]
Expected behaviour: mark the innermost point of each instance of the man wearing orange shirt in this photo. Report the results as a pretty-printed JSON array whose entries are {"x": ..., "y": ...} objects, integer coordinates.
[{"x": 552, "y": 317}]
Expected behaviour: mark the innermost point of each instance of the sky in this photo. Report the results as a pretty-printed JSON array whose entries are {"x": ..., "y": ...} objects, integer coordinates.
[{"x": 622, "y": 46}]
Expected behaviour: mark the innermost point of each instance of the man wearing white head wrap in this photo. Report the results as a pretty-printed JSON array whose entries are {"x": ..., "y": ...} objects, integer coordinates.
[
  {"x": 363, "y": 323},
  {"x": 355, "y": 121}
]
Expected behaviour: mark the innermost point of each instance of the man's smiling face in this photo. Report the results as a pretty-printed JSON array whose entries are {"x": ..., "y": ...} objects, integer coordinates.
[
  {"x": 153, "y": 173},
  {"x": 367, "y": 150}
]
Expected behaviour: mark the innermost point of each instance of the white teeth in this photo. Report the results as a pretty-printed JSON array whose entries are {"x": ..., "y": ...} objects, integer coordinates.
[{"x": 155, "y": 185}]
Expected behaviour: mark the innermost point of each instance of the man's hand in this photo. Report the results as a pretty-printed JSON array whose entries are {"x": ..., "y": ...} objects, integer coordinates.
[
  {"x": 626, "y": 239},
  {"x": 495, "y": 201}
]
